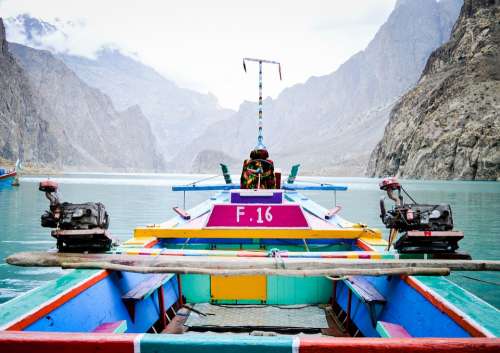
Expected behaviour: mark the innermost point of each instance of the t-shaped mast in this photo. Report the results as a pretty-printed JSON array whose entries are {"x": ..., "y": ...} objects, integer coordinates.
[{"x": 260, "y": 138}]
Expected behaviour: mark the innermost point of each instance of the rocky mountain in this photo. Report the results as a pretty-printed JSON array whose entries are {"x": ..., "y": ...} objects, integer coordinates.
[
  {"x": 331, "y": 123},
  {"x": 177, "y": 115},
  {"x": 84, "y": 119},
  {"x": 448, "y": 126},
  {"x": 23, "y": 132}
]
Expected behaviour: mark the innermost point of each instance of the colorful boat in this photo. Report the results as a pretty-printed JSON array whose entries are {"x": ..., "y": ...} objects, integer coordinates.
[
  {"x": 257, "y": 267},
  {"x": 7, "y": 177}
]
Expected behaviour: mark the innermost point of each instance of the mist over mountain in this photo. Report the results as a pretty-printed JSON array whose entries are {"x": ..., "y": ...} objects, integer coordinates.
[
  {"x": 448, "y": 126},
  {"x": 177, "y": 115},
  {"x": 331, "y": 123}
]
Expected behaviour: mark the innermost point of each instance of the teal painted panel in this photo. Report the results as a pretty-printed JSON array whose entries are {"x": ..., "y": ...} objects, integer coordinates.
[
  {"x": 209, "y": 343},
  {"x": 31, "y": 300},
  {"x": 196, "y": 288},
  {"x": 477, "y": 309},
  {"x": 298, "y": 290}
]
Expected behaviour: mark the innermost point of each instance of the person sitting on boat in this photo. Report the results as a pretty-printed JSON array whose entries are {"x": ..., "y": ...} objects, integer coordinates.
[{"x": 258, "y": 171}]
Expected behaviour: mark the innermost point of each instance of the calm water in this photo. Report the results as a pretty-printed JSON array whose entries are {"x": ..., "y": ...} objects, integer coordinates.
[{"x": 139, "y": 199}]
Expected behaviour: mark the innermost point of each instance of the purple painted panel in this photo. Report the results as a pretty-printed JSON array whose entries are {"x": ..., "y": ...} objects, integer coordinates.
[
  {"x": 257, "y": 216},
  {"x": 257, "y": 196}
]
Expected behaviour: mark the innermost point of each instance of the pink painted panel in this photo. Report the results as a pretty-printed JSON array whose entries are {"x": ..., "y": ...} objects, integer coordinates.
[{"x": 257, "y": 216}]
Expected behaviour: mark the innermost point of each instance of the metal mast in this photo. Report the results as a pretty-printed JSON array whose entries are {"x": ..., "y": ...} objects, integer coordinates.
[{"x": 260, "y": 137}]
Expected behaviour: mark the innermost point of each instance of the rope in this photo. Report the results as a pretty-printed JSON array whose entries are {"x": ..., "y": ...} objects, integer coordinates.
[{"x": 481, "y": 280}]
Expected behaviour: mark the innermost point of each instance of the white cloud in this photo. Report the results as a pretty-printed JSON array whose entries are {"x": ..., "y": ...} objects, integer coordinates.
[{"x": 200, "y": 44}]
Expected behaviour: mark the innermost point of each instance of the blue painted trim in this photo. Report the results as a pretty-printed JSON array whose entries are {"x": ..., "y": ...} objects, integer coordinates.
[
  {"x": 322, "y": 187},
  {"x": 213, "y": 187}
]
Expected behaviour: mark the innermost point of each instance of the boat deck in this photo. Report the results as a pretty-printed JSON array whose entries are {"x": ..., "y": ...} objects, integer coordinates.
[{"x": 247, "y": 318}]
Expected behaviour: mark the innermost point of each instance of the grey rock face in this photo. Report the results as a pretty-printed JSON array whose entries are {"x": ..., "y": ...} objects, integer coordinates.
[
  {"x": 23, "y": 132},
  {"x": 177, "y": 115},
  {"x": 331, "y": 123},
  {"x": 83, "y": 118},
  {"x": 448, "y": 126}
]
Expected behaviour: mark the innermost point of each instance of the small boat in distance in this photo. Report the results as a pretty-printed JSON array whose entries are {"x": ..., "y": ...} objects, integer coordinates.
[{"x": 7, "y": 176}]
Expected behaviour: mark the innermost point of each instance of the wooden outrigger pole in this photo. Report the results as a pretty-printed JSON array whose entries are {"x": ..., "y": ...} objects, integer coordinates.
[
  {"x": 228, "y": 265},
  {"x": 260, "y": 138}
]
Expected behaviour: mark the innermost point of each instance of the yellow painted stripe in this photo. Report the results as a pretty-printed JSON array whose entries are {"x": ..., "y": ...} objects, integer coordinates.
[
  {"x": 376, "y": 239},
  {"x": 255, "y": 233}
]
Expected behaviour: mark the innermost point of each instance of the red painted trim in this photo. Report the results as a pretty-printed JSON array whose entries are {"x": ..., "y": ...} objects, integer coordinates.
[
  {"x": 57, "y": 302},
  {"x": 444, "y": 307},
  {"x": 403, "y": 345},
  {"x": 151, "y": 243},
  {"x": 364, "y": 246},
  {"x": 8, "y": 175},
  {"x": 64, "y": 342}
]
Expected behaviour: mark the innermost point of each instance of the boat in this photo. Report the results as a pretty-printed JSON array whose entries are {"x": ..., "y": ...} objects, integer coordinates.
[
  {"x": 9, "y": 177},
  {"x": 257, "y": 267}
]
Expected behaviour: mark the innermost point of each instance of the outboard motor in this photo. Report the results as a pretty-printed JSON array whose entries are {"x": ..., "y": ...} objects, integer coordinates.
[
  {"x": 424, "y": 228},
  {"x": 79, "y": 227}
]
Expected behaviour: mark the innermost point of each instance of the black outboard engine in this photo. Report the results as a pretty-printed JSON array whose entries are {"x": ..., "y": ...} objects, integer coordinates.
[
  {"x": 79, "y": 227},
  {"x": 424, "y": 228}
]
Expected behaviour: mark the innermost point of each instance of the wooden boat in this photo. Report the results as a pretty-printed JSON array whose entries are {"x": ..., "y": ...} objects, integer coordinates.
[
  {"x": 252, "y": 270},
  {"x": 7, "y": 177}
]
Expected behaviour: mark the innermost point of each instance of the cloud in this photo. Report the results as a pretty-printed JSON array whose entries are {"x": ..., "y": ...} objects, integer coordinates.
[{"x": 200, "y": 43}]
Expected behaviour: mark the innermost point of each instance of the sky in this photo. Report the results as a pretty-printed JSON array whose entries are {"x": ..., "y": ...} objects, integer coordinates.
[{"x": 200, "y": 44}]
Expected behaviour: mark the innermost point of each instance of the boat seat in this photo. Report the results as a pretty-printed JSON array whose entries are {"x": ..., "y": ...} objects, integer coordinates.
[
  {"x": 390, "y": 330},
  {"x": 144, "y": 289},
  {"x": 368, "y": 294},
  {"x": 112, "y": 327}
]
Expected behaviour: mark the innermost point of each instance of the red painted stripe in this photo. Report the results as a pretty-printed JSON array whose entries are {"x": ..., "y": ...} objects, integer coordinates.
[
  {"x": 151, "y": 243},
  {"x": 42, "y": 311},
  {"x": 364, "y": 246},
  {"x": 444, "y": 307},
  {"x": 403, "y": 345},
  {"x": 63, "y": 342}
]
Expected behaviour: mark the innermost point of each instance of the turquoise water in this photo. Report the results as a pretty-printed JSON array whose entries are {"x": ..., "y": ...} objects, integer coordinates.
[{"x": 139, "y": 199}]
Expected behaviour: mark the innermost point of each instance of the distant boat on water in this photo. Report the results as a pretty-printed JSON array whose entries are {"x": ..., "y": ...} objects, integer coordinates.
[{"x": 8, "y": 177}]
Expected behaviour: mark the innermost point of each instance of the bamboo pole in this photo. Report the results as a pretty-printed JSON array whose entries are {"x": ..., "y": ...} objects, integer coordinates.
[
  {"x": 44, "y": 259},
  {"x": 410, "y": 271}
]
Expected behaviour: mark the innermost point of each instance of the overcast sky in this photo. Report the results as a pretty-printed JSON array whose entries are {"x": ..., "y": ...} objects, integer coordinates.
[{"x": 199, "y": 44}]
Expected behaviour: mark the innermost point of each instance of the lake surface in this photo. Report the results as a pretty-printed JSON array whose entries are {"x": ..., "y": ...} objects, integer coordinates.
[{"x": 140, "y": 199}]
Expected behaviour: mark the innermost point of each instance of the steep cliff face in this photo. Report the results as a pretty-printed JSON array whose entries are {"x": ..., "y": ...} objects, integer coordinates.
[
  {"x": 331, "y": 123},
  {"x": 23, "y": 132},
  {"x": 448, "y": 126},
  {"x": 99, "y": 137},
  {"x": 177, "y": 115}
]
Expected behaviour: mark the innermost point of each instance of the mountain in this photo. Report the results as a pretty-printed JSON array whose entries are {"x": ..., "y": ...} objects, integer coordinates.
[
  {"x": 177, "y": 115},
  {"x": 448, "y": 126},
  {"x": 331, "y": 123},
  {"x": 93, "y": 133},
  {"x": 23, "y": 132}
]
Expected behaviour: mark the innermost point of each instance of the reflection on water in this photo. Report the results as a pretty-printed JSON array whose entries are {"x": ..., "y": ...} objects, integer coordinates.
[{"x": 139, "y": 199}]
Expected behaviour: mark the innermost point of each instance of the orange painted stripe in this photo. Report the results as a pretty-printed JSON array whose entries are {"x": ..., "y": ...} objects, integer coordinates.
[
  {"x": 57, "y": 302},
  {"x": 445, "y": 308},
  {"x": 364, "y": 246},
  {"x": 151, "y": 243}
]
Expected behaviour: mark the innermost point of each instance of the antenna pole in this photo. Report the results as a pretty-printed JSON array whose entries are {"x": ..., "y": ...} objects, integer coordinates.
[{"x": 260, "y": 137}]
